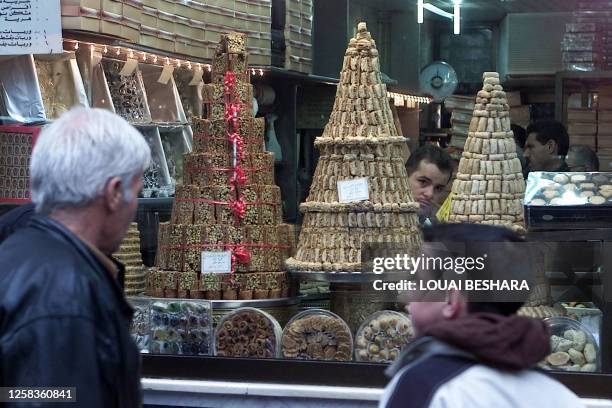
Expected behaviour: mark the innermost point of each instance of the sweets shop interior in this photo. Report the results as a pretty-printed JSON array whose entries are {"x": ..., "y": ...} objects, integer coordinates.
[{"x": 264, "y": 118}]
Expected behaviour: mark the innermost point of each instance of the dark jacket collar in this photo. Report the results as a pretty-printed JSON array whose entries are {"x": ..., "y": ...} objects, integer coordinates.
[
  {"x": 62, "y": 233},
  {"x": 422, "y": 348}
]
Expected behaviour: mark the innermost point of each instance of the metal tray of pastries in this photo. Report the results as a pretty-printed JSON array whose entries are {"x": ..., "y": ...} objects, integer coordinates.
[{"x": 568, "y": 200}]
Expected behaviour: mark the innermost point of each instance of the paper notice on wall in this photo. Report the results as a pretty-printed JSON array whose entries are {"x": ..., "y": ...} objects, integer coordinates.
[
  {"x": 353, "y": 190},
  {"x": 30, "y": 27},
  {"x": 216, "y": 262},
  {"x": 129, "y": 67},
  {"x": 166, "y": 74}
]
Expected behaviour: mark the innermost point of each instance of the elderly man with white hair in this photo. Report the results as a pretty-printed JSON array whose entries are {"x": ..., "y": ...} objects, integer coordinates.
[{"x": 64, "y": 321}]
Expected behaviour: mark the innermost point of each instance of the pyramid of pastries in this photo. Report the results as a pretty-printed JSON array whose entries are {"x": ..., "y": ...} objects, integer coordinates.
[
  {"x": 228, "y": 201},
  {"x": 359, "y": 141},
  {"x": 129, "y": 255},
  {"x": 489, "y": 188}
]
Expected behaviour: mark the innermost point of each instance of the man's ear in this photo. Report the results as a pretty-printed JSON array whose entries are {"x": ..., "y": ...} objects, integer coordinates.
[
  {"x": 455, "y": 305},
  {"x": 551, "y": 146},
  {"x": 113, "y": 194}
]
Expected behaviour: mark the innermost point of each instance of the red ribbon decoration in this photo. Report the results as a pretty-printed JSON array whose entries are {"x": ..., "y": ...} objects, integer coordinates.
[
  {"x": 230, "y": 82},
  {"x": 239, "y": 254},
  {"x": 236, "y": 138},
  {"x": 239, "y": 208},
  {"x": 239, "y": 178},
  {"x": 231, "y": 114}
]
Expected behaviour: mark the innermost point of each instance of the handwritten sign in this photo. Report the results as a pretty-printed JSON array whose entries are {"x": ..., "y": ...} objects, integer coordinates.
[
  {"x": 30, "y": 27},
  {"x": 197, "y": 76},
  {"x": 353, "y": 190},
  {"x": 166, "y": 74},
  {"x": 216, "y": 262},
  {"x": 129, "y": 67}
]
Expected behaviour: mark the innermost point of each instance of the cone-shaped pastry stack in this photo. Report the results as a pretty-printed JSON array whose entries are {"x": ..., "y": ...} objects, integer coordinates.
[
  {"x": 489, "y": 188},
  {"x": 229, "y": 201},
  {"x": 360, "y": 140},
  {"x": 129, "y": 255}
]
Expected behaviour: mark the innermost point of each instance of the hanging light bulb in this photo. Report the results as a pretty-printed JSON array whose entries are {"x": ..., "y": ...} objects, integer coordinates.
[
  {"x": 76, "y": 45},
  {"x": 155, "y": 59},
  {"x": 144, "y": 56},
  {"x": 260, "y": 72},
  {"x": 105, "y": 50},
  {"x": 118, "y": 51},
  {"x": 209, "y": 67}
]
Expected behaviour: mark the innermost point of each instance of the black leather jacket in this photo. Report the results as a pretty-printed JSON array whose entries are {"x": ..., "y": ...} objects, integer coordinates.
[{"x": 64, "y": 321}]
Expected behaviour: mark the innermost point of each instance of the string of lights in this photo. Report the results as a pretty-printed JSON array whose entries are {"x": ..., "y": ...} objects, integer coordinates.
[{"x": 152, "y": 58}]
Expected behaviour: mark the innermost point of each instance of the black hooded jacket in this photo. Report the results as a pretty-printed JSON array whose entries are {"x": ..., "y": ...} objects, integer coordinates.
[{"x": 64, "y": 321}]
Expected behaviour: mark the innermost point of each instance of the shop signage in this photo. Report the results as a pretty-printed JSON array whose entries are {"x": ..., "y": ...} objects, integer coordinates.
[
  {"x": 353, "y": 190},
  {"x": 30, "y": 27},
  {"x": 217, "y": 262}
]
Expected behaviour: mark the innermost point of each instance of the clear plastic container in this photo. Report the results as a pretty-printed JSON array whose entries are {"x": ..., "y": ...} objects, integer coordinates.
[
  {"x": 180, "y": 326},
  {"x": 248, "y": 332},
  {"x": 382, "y": 336},
  {"x": 573, "y": 347},
  {"x": 140, "y": 327},
  {"x": 317, "y": 334}
]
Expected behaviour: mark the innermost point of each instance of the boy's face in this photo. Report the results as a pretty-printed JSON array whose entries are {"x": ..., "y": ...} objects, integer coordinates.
[
  {"x": 427, "y": 184},
  {"x": 426, "y": 314}
]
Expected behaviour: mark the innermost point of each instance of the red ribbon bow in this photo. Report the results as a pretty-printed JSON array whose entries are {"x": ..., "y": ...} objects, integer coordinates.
[
  {"x": 239, "y": 254},
  {"x": 239, "y": 209},
  {"x": 230, "y": 82}
]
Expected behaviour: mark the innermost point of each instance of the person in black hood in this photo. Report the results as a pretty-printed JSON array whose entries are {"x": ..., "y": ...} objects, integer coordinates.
[
  {"x": 64, "y": 321},
  {"x": 474, "y": 352}
]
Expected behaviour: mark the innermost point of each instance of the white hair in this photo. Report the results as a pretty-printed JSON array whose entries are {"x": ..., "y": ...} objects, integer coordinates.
[{"x": 78, "y": 153}]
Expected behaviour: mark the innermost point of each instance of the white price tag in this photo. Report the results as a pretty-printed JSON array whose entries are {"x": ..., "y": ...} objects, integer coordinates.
[
  {"x": 353, "y": 190},
  {"x": 217, "y": 262},
  {"x": 129, "y": 67},
  {"x": 166, "y": 74}
]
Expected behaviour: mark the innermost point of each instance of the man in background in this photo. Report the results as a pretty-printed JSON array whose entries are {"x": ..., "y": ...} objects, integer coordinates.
[
  {"x": 430, "y": 169},
  {"x": 546, "y": 146},
  {"x": 582, "y": 158},
  {"x": 64, "y": 321}
]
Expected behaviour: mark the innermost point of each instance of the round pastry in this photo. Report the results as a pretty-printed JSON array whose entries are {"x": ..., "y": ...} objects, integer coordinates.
[
  {"x": 550, "y": 194},
  {"x": 578, "y": 178},
  {"x": 605, "y": 193},
  {"x": 570, "y": 187},
  {"x": 561, "y": 178},
  {"x": 557, "y": 201},
  {"x": 537, "y": 201},
  {"x": 587, "y": 194},
  {"x": 587, "y": 186},
  {"x": 600, "y": 179},
  {"x": 597, "y": 200}
]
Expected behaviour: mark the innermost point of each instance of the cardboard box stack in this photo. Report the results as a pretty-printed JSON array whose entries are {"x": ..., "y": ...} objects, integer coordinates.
[
  {"x": 604, "y": 129},
  {"x": 582, "y": 127},
  {"x": 462, "y": 109},
  {"x": 588, "y": 37},
  {"x": 298, "y": 35},
  {"x": 188, "y": 27}
]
